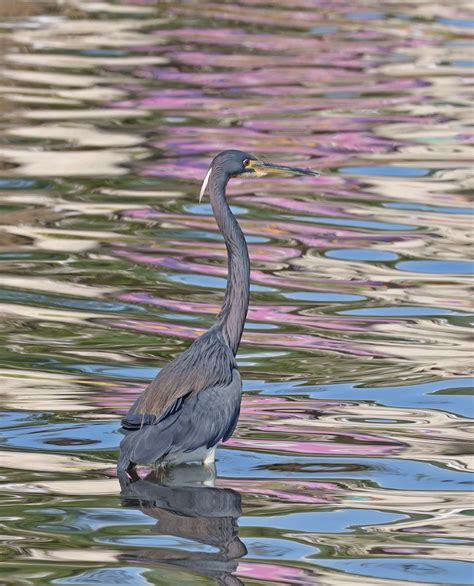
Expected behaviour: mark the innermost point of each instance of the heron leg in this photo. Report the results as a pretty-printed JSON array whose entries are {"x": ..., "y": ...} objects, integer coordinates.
[
  {"x": 209, "y": 464},
  {"x": 162, "y": 470},
  {"x": 210, "y": 457},
  {"x": 127, "y": 477},
  {"x": 132, "y": 473}
]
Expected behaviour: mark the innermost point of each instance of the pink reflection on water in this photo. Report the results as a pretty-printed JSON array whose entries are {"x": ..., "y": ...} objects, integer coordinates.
[
  {"x": 313, "y": 448},
  {"x": 275, "y": 314},
  {"x": 263, "y": 252},
  {"x": 316, "y": 146},
  {"x": 294, "y": 491},
  {"x": 281, "y": 495},
  {"x": 241, "y": 78},
  {"x": 118, "y": 398},
  {"x": 298, "y": 205},
  {"x": 291, "y": 281},
  {"x": 295, "y": 340},
  {"x": 273, "y": 228},
  {"x": 238, "y": 37},
  {"x": 309, "y": 124},
  {"x": 276, "y": 573}
]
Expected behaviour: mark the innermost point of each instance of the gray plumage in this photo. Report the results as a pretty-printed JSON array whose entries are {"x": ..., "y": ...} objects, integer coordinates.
[
  {"x": 194, "y": 401},
  {"x": 202, "y": 420}
]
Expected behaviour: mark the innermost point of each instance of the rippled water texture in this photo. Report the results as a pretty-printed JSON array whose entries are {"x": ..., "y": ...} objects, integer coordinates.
[{"x": 350, "y": 464}]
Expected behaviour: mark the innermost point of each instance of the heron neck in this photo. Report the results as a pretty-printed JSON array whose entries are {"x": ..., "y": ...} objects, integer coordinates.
[{"x": 232, "y": 316}]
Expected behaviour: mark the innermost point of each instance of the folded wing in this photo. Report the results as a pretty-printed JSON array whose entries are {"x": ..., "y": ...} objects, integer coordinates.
[{"x": 200, "y": 420}]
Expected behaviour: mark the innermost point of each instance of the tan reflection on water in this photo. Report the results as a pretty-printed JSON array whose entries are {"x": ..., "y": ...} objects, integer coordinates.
[
  {"x": 47, "y": 462},
  {"x": 37, "y": 390},
  {"x": 77, "y": 135},
  {"x": 84, "y": 163}
]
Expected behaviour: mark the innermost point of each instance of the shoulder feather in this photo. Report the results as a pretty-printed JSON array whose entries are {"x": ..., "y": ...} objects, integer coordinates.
[{"x": 206, "y": 363}]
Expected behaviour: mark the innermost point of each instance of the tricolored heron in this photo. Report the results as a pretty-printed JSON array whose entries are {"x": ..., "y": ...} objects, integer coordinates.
[{"x": 194, "y": 401}]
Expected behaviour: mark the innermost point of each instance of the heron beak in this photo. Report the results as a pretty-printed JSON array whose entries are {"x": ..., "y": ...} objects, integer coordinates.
[{"x": 261, "y": 168}]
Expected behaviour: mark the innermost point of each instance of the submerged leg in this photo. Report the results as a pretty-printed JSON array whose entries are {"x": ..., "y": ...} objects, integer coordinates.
[{"x": 127, "y": 477}]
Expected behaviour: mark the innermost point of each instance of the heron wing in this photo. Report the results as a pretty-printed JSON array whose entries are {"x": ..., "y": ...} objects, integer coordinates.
[
  {"x": 202, "y": 420},
  {"x": 134, "y": 421},
  {"x": 206, "y": 363}
]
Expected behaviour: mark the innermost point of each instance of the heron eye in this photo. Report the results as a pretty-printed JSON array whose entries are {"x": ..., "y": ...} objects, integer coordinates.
[{"x": 246, "y": 162}]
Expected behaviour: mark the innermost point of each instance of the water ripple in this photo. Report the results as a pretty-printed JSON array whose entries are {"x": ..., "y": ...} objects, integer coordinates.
[{"x": 351, "y": 461}]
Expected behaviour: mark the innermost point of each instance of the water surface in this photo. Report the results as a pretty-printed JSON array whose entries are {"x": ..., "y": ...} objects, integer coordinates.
[{"x": 351, "y": 463}]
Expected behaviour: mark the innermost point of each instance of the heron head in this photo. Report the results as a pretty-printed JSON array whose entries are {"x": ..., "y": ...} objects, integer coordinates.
[{"x": 233, "y": 163}]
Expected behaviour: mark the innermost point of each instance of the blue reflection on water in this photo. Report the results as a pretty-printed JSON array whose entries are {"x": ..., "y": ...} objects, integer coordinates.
[
  {"x": 159, "y": 541},
  {"x": 132, "y": 372},
  {"x": 205, "y": 209},
  {"x": 209, "y": 282},
  {"x": 420, "y": 571},
  {"x": 361, "y": 254},
  {"x": 354, "y": 223},
  {"x": 282, "y": 549},
  {"x": 322, "y": 297},
  {"x": 215, "y": 236},
  {"x": 323, "y": 521},
  {"x": 387, "y": 171},
  {"x": 464, "y": 22},
  {"x": 438, "y": 267},
  {"x": 389, "y": 473},
  {"x": 20, "y": 418},
  {"x": 430, "y": 395},
  {"x": 365, "y": 15},
  {"x": 68, "y": 302},
  {"x": 93, "y": 519},
  {"x": 107, "y": 576},
  {"x": 70, "y": 437},
  {"x": 403, "y": 311},
  {"x": 429, "y": 208},
  {"x": 20, "y": 183}
]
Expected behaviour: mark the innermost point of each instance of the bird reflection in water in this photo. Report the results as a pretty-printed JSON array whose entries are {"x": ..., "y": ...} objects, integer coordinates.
[{"x": 187, "y": 505}]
